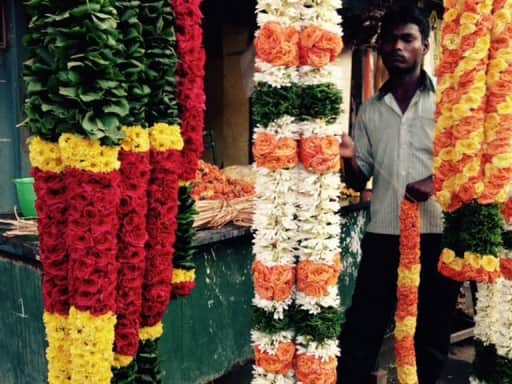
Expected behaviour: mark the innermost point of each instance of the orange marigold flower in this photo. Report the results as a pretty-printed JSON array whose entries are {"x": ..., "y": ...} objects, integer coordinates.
[
  {"x": 311, "y": 370},
  {"x": 318, "y": 47},
  {"x": 320, "y": 154},
  {"x": 405, "y": 352},
  {"x": 275, "y": 153}
]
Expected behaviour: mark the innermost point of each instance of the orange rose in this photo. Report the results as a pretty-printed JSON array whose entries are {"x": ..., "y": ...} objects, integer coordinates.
[
  {"x": 273, "y": 153},
  {"x": 309, "y": 36},
  {"x": 311, "y": 370},
  {"x": 273, "y": 283},
  {"x": 314, "y": 57},
  {"x": 276, "y": 45},
  {"x": 314, "y": 279},
  {"x": 320, "y": 154},
  {"x": 330, "y": 42},
  {"x": 280, "y": 363},
  {"x": 318, "y": 47}
]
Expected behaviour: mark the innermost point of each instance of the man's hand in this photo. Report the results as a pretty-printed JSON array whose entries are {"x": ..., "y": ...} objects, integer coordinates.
[
  {"x": 420, "y": 191},
  {"x": 347, "y": 147}
]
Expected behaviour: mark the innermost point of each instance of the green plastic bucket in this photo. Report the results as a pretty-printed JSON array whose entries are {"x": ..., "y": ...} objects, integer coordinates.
[{"x": 26, "y": 196}]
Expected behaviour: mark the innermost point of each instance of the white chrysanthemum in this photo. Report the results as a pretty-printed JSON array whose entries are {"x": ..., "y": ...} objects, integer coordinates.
[
  {"x": 320, "y": 128},
  {"x": 277, "y": 307},
  {"x": 485, "y": 317},
  {"x": 269, "y": 343},
  {"x": 501, "y": 333},
  {"x": 271, "y": 256},
  {"x": 276, "y": 76},
  {"x": 331, "y": 73},
  {"x": 323, "y": 351},
  {"x": 260, "y": 376},
  {"x": 283, "y": 127},
  {"x": 324, "y": 17},
  {"x": 315, "y": 305}
]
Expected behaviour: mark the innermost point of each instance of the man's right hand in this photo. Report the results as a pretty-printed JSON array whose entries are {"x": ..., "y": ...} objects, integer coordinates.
[{"x": 347, "y": 147}]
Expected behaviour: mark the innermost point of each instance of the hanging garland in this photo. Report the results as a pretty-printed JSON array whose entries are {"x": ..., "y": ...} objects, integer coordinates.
[
  {"x": 407, "y": 293},
  {"x": 466, "y": 148},
  {"x": 75, "y": 160}
]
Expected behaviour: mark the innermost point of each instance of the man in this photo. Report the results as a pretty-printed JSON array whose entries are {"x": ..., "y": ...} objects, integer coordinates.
[{"x": 393, "y": 142}]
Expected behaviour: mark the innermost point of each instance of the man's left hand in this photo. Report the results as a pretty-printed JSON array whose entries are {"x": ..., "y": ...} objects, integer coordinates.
[{"x": 420, "y": 191}]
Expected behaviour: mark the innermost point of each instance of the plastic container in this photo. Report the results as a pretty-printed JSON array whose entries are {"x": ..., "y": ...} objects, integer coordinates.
[{"x": 26, "y": 196}]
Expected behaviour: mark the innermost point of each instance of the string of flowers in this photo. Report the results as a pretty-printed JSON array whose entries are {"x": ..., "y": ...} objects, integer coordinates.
[
  {"x": 166, "y": 143},
  {"x": 134, "y": 178},
  {"x": 75, "y": 158},
  {"x": 407, "y": 293},
  {"x": 472, "y": 230},
  {"x": 276, "y": 153},
  {"x": 318, "y": 316},
  {"x": 191, "y": 101}
]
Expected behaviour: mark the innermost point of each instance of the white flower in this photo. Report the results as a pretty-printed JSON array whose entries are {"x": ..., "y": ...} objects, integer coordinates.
[
  {"x": 314, "y": 305},
  {"x": 324, "y": 351},
  {"x": 277, "y": 307},
  {"x": 320, "y": 128},
  {"x": 285, "y": 126},
  {"x": 269, "y": 343},
  {"x": 277, "y": 76},
  {"x": 260, "y": 376}
]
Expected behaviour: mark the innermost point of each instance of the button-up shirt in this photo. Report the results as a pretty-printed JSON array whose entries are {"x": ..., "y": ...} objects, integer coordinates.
[{"x": 396, "y": 149}]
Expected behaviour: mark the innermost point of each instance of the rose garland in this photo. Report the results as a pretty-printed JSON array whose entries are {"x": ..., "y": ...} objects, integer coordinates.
[
  {"x": 134, "y": 178},
  {"x": 275, "y": 150},
  {"x": 191, "y": 100},
  {"x": 77, "y": 180},
  {"x": 462, "y": 147},
  {"x": 318, "y": 317},
  {"x": 407, "y": 292}
]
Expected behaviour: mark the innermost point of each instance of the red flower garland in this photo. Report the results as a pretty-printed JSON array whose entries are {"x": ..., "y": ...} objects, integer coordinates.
[
  {"x": 161, "y": 227},
  {"x": 91, "y": 238},
  {"x": 135, "y": 172},
  {"x": 51, "y": 209},
  {"x": 190, "y": 81}
]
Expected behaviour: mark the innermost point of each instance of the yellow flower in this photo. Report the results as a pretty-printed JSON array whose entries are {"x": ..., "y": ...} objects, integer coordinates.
[
  {"x": 469, "y": 18},
  {"x": 490, "y": 263},
  {"x": 473, "y": 168},
  {"x": 479, "y": 188},
  {"x": 468, "y": 146},
  {"x": 502, "y": 196},
  {"x": 151, "y": 333},
  {"x": 460, "y": 180},
  {"x": 92, "y": 340},
  {"x": 121, "y": 360},
  {"x": 472, "y": 259},
  {"x": 505, "y": 54},
  {"x": 471, "y": 100},
  {"x": 183, "y": 183},
  {"x": 409, "y": 277},
  {"x": 164, "y": 137},
  {"x": 460, "y": 111},
  {"x": 448, "y": 154},
  {"x": 444, "y": 198},
  {"x": 452, "y": 41},
  {"x": 183, "y": 275},
  {"x": 407, "y": 375},
  {"x": 503, "y": 160},
  {"x": 57, "y": 353},
  {"x": 506, "y": 107},
  {"x": 450, "y": 15},
  {"x": 405, "y": 327},
  {"x": 485, "y": 7},
  {"x": 467, "y": 29},
  {"x": 136, "y": 139},
  {"x": 501, "y": 18},
  {"x": 88, "y": 155},
  {"x": 447, "y": 256},
  {"x": 45, "y": 155},
  {"x": 450, "y": 185},
  {"x": 457, "y": 264}
]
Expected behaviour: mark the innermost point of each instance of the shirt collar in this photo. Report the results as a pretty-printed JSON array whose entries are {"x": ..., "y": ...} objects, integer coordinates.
[{"x": 426, "y": 85}]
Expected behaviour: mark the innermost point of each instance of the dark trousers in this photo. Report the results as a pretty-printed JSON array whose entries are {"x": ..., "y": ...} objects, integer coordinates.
[{"x": 373, "y": 305}]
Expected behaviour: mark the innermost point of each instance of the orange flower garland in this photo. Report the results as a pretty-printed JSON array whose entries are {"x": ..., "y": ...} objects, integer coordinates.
[
  {"x": 274, "y": 152},
  {"x": 278, "y": 363},
  {"x": 315, "y": 279},
  {"x": 311, "y": 370},
  {"x": 320, "y": 154},
  {"x": 407, "y": 292},
  {"x": 318, "y": 47},
  {"x": 273, "y": 283}
]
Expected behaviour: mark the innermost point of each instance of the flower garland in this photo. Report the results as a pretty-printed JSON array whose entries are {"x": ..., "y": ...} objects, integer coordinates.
[
  {"x": 318, "y": 318},
  {"x": 467, "y": 151},
  {"x": 275, "y": 149},
  {"x": 407, "y": 292}
]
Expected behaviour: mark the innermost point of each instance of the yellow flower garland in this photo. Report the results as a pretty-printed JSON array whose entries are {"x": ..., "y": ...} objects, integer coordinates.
[
  {"x": 88, "y": 155},
  {"x": 45, "y": 155},
  {"x": 136, "y": 139},
  {"x": 151, "y": 333},
  {"x": 91, "y": 339},
  {"x": 57, "y": 353},
  {"x": 183, "y": 276}
]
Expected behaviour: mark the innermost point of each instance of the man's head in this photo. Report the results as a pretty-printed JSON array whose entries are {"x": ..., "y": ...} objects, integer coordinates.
[{"x": 403, "y": 39}]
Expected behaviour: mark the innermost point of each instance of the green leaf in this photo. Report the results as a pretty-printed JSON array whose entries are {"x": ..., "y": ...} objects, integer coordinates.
[{"x": 121, "y": 108}]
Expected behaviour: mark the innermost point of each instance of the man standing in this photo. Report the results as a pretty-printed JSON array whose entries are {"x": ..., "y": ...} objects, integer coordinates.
[{"x": 393, "y": 142}]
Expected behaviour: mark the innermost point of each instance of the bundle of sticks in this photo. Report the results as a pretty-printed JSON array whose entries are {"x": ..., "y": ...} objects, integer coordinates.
[
  {"x": 19, "y": 227},
  {"x": 216, "y": 213}
]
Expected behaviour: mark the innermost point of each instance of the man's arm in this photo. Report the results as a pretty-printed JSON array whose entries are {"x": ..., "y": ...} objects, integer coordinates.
[
  {"x": 355, "y": 177},
  {"x": 421, "y": 190}
]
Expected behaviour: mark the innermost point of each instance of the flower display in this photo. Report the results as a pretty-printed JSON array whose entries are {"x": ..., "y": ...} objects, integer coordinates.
[{"x": 407, "y": 292}]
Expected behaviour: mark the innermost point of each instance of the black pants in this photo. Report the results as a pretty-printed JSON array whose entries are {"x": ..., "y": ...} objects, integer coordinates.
[{"x": 373, "y": 305}]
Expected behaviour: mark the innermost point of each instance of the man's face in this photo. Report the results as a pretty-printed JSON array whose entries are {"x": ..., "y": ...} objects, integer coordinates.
[{"x": 402, "y": 48}]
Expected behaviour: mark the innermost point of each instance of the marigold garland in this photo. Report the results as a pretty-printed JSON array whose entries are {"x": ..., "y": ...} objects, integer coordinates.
[{"x": 407, "y": 292}]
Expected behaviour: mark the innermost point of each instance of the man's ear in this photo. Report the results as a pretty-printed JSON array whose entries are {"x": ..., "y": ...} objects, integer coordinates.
[{"x": 426, "y": 46}]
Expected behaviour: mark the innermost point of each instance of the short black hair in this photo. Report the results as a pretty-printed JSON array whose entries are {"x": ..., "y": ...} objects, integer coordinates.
[{"x": 404, "y": 14}]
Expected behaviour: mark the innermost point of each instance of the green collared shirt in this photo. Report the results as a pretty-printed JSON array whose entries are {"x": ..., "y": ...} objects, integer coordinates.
[{"x": 395, "y": 149}]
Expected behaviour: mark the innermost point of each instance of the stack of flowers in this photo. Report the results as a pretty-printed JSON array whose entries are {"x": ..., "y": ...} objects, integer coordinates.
[
  {"x": 318, "y": 316},
  {"x": 76, "y": 169},
  {"x": 166, "y": 143},
  {"x": 407, "y": 293},
  {"x": 463, "y": 147},
  {"x": 275, "y": 104}
]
